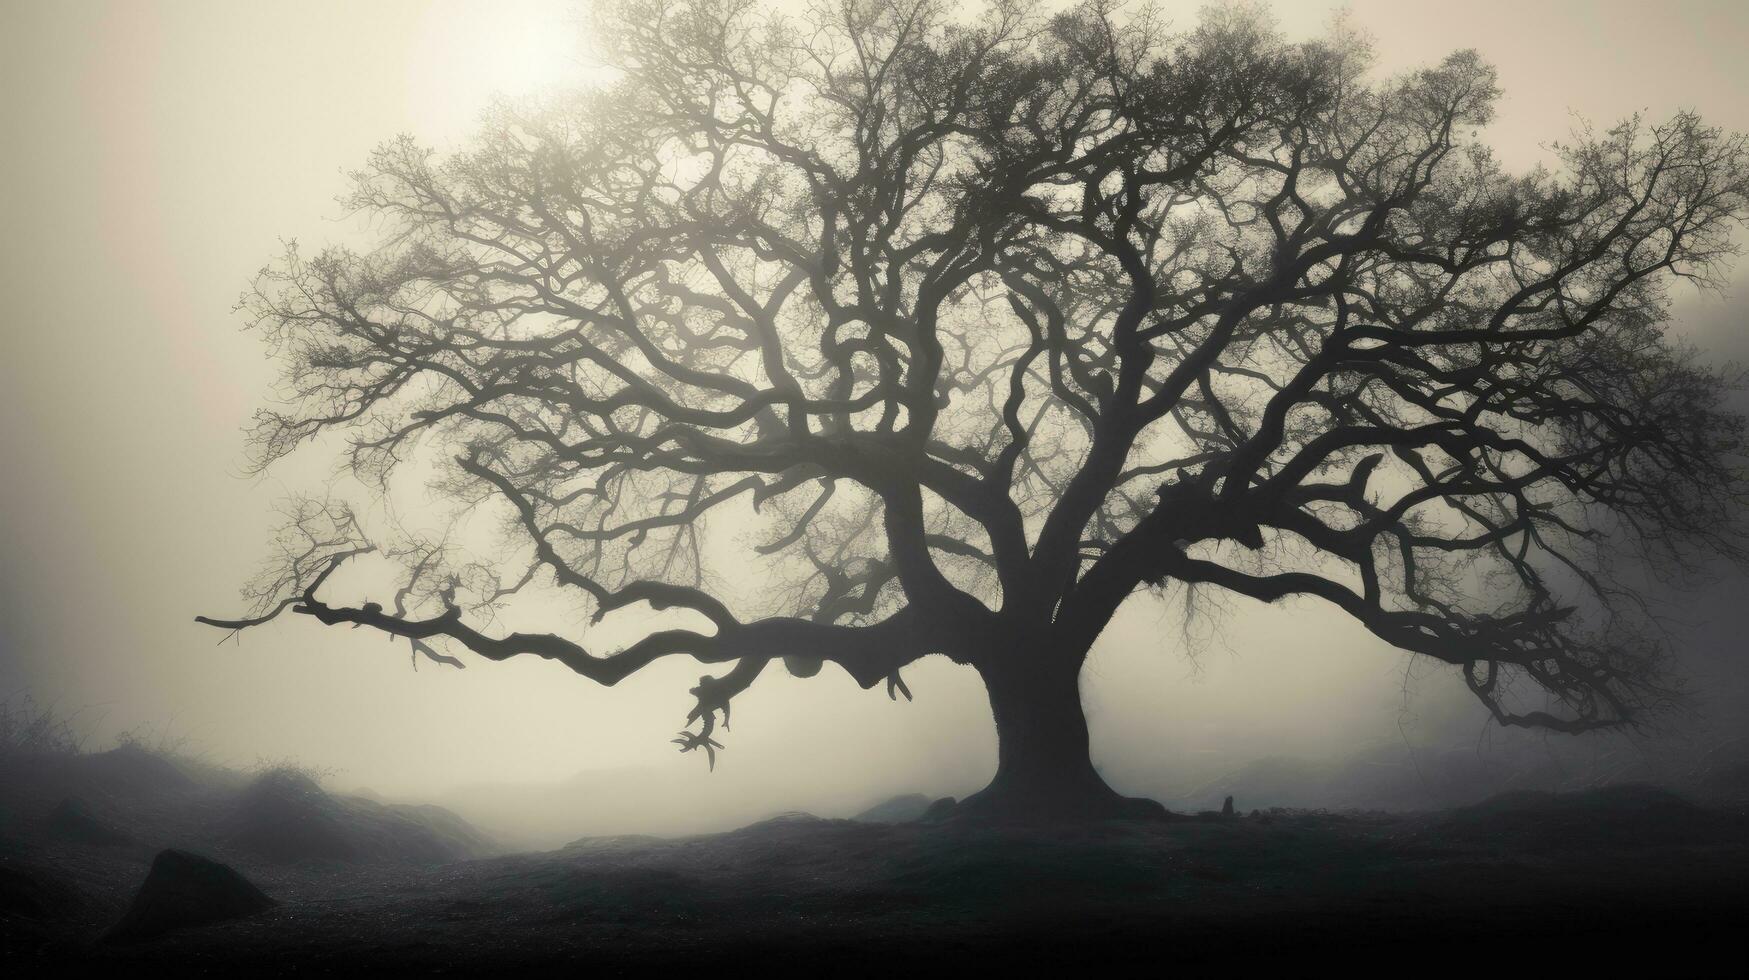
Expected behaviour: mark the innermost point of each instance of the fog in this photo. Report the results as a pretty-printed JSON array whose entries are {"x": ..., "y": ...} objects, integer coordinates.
[{"x": 159, "y": 153}]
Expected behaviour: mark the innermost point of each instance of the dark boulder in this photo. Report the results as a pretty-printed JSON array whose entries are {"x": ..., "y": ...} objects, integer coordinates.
[{"x": 184, "y": 890}]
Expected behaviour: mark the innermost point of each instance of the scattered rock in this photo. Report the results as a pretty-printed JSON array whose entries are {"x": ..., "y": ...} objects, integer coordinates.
[
  {"x": 905, "y": 808},
  {"x": 73, "y": 820},
  {"x": 184, "y": 890}
]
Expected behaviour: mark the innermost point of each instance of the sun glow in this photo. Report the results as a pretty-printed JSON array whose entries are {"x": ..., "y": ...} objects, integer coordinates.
[{"x": 463, "y": 55}]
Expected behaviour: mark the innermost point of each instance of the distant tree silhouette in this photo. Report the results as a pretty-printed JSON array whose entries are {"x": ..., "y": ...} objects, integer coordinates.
[{"x": 965, "y": 326}]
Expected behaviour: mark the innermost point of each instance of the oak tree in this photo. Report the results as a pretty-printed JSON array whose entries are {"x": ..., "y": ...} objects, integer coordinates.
[{"x": 965, "y": 326}]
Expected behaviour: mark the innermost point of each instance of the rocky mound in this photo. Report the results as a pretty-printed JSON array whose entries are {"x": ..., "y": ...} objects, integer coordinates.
[
  {"x": 284, "y": 816},
  {"x": 1610, "y": 817},
  {"x": 421, "y": 834},
  {"x": 73, "y": 820},
  {"x": 130, "y": 768},
  {"x": 183, "y": 890},
  {"x": 900, "y": 809}
]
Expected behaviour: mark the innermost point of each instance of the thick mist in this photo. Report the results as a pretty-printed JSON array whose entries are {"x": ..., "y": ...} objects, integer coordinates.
[{"x": 159, "y": 154}]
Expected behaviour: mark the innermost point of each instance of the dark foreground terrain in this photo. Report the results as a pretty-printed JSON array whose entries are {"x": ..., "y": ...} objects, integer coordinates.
[{"x": 1605, "y": 881}]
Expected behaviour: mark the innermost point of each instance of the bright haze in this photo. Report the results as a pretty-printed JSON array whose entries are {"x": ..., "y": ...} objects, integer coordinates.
[{"x": 158, "y": 154}]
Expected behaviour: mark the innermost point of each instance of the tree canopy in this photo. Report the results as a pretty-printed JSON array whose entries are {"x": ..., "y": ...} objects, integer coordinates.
[{"x": 968, "y": 325}]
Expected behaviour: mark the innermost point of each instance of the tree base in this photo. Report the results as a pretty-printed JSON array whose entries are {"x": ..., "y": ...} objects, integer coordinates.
[{"x": 1055, "y": 805}]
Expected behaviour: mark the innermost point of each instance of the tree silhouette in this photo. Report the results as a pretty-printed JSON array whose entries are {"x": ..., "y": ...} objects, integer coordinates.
[{"x": 966, "y": 327}]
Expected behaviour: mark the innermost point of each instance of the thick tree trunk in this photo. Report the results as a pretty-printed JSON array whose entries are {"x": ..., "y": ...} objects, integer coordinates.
[{"x": 1044, "y": 768}]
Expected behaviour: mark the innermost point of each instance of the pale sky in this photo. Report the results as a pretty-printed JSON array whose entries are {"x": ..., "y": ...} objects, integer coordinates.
[{"x": 156, "y": 154}]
